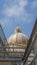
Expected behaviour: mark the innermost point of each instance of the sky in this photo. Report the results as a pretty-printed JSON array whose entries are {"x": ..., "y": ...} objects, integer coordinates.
[{"x": 18, "y": 12}]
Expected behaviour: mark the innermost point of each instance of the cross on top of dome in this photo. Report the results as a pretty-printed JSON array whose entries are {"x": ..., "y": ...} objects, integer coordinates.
[{"x": 18, "y": 29}]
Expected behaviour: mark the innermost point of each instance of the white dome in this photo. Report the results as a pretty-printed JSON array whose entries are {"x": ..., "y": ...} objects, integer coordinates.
[{"x": 18, "y": 38}]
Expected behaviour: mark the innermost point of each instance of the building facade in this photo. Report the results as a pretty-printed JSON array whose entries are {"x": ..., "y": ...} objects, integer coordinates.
[{"x": 17, "y": 43}]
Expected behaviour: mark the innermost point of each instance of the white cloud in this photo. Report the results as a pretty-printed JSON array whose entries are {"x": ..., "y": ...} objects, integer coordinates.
[
  {"x": 34, "y": 4},
  {"x": 16, "y": 9}
]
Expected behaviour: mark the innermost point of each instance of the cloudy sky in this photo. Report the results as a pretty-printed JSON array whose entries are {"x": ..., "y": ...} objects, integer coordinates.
[{"x": 18, "y": 12}]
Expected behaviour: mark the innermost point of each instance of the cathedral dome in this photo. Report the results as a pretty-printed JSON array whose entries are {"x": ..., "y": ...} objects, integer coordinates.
[{"x": 18, "y": 38}]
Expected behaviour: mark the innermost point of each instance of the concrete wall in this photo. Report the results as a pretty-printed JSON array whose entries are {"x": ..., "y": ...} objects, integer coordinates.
[{"x": 35, "y": 50}]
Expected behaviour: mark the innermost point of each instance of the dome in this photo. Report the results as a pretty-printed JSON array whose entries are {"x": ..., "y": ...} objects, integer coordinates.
[{"x": 18, "y": 38}]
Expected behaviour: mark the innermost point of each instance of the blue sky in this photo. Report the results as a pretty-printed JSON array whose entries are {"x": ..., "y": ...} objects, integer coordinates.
[{"x": 18, "y": 12}]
